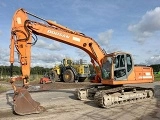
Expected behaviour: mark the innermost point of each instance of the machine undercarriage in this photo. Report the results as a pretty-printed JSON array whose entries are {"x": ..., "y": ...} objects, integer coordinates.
[{"x": 110, "y": 96}]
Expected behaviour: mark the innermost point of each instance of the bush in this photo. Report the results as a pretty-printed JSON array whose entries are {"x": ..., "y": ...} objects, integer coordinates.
[{"x": 157, "y": 76}]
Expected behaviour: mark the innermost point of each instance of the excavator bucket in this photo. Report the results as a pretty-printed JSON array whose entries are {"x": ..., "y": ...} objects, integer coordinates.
[{"x": 24, "y": 104}]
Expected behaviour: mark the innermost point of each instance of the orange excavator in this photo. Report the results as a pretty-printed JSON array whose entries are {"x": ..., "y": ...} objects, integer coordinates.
[{"x": 116, "y": 69}]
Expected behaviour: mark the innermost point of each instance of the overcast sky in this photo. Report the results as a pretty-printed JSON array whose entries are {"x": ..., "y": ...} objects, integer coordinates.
[{"x": 117, "y": 25}]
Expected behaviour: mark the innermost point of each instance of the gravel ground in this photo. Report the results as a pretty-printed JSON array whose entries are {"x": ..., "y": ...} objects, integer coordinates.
[{"x": 60, "y": 104}]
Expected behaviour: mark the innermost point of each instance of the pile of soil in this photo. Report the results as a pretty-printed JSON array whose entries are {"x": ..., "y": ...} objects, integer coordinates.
[
  {"x": 63, "y": 85},
  {"x": 49, "y": 86}
]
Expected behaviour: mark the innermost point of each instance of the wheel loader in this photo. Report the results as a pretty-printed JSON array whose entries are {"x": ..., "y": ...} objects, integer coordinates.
[
  {"x": 117, "y": 69},
  {"x": 69, "y": 71}
]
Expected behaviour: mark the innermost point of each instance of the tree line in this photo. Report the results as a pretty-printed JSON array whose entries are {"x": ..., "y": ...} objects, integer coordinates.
[
  {"x": 5, "y": 70},
  {"x": 156, "y": 67}
]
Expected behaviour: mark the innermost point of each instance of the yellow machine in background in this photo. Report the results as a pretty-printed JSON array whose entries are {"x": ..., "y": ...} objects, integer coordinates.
[{"x": 70, "y": 71}]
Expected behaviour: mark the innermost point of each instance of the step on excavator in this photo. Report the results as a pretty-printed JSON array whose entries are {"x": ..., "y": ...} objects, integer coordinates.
[{"x": 116, "y": 69}]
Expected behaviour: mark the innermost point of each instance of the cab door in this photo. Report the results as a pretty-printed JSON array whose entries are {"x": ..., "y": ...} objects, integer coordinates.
[
  {"x": 120, "y": 67},
  {"x": 123, "y": 66}
]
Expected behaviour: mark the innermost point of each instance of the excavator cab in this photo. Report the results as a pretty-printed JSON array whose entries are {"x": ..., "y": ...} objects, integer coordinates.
[
  {"x": 67, "y": 62},
  {"x": 118, "y": 69},
  {"x": 117, "y": 66}
]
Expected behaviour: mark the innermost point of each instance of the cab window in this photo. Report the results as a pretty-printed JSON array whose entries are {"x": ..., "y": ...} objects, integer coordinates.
[
  {"x": 129, "y": 63},
  {"x": 106, "y": 68},
  {"x": 120, "y": 61}
]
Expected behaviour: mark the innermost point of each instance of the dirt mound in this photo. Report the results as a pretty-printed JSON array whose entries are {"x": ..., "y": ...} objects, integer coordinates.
[{"x": 63, "y": 85}]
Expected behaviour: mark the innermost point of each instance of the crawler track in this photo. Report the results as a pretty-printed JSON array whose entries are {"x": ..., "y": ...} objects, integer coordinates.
[
  {"x": 106, "y": 96},
  {"x": 122, "y": 95}
]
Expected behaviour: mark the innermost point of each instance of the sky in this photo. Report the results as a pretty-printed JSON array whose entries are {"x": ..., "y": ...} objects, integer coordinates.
[{"x": 120, "y": 25}]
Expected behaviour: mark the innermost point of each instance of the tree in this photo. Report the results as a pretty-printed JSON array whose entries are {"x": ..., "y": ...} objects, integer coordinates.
[{"x": 156, "y": 67}]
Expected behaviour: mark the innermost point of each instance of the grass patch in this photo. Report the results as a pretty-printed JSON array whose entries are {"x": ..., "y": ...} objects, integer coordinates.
[
  {"x": 157, "y": 77},
  {"x": 35, "y": 78},
  {"x": 3, "y": 89}
]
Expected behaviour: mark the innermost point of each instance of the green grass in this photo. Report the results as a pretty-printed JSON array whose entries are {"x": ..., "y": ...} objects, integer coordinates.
[
  {"x": 3, "y": 89},
  {"x": 35, "y": 77},
  {"x": 157, "y": 77}
]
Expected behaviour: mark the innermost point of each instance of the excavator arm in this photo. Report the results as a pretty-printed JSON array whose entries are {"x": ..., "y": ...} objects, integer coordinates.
[{"x": 21, "y": 39}]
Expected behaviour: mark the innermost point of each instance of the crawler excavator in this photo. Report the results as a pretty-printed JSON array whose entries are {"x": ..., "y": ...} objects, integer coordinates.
[{"x": 116, "y": 69}]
